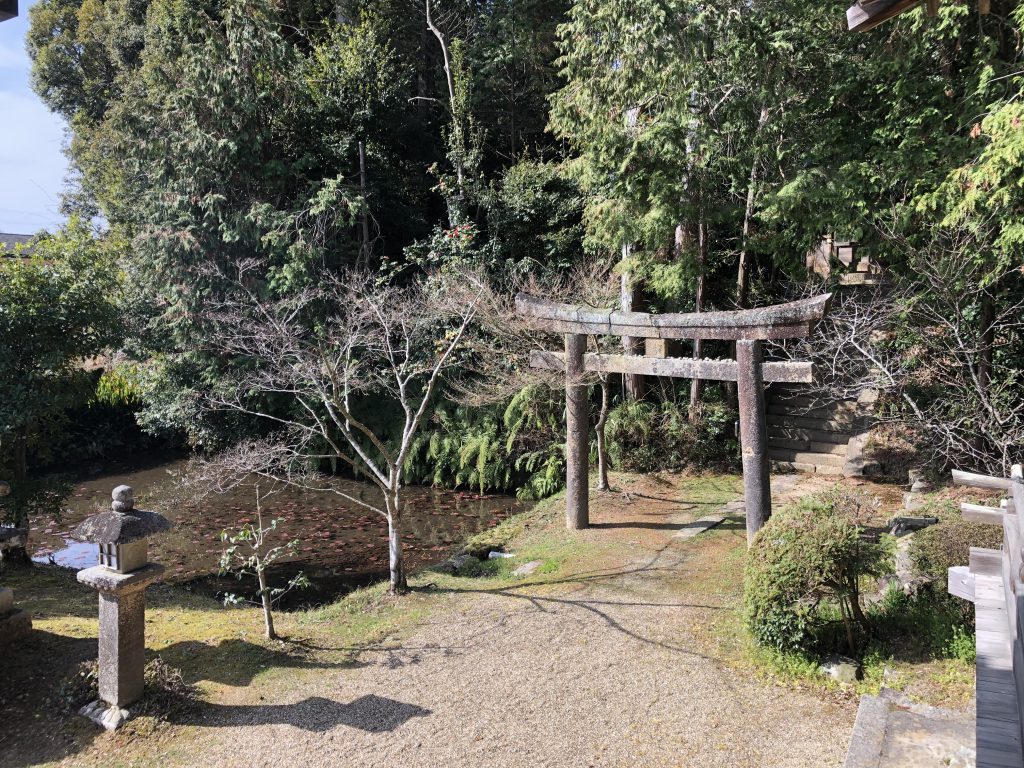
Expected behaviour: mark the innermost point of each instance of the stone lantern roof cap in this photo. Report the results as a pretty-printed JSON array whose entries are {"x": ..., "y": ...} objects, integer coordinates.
[{"x": 123, "y": 523}]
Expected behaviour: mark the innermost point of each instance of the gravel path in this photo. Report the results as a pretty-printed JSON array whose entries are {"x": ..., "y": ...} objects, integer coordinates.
[{"x": 603, "y": 669}]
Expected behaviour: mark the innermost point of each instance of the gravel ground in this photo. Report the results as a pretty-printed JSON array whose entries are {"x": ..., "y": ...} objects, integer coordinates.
[{"x": 602, "y": 669}]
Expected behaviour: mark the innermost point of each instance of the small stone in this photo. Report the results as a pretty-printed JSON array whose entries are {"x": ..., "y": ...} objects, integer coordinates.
[
  {"x": 460, "y": 560},
  {"x": 840, "y": 669},
  {"x": 6, "y": 601},
  {"x": 912, "y": 501},
  {"x": 527, "y": 568},
  {"x": 496, "y": 555},
  {"x": 920, "y": 486},
  {"x": 105, "y": 715}
]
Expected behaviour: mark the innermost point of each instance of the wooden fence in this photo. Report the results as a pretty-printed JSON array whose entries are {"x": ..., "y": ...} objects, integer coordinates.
[{"x": 993, "y": 582}]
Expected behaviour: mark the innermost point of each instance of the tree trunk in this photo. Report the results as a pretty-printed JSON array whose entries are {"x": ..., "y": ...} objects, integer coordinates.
[
  {"x": 399, "y": 584},
  {"x": 268, "y": 614},
  {"x": 632, "y": 384},
  {"x": 697, "y": 385},
  {"x": 987, "y": 339},
  {"x": 602, "y": 447},
  {"x": 457, "y": 126},
  {"x": 364, "y": 217},
  {"x": 743, "y": 270}
]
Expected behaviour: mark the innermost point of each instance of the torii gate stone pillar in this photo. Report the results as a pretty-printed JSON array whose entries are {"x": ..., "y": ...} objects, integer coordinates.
[{"x": 748, "y": 328}]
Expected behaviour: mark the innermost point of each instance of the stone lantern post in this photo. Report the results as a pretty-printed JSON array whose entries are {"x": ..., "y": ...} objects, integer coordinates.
[
  {"x": 14, "y": 622},
  {"x": 121, "y": 579}
]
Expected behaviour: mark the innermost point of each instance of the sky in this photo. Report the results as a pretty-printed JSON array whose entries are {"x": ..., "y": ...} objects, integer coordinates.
[{"x": 32, "y": 166}]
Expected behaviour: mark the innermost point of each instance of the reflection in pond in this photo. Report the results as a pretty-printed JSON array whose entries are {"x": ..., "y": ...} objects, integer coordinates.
[{"x": 340, "y": 543}]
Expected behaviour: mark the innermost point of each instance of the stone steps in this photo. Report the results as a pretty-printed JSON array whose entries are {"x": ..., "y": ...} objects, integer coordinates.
[
  {"x": 837, "y": 425},
  {"x": 806, "y": 436},
  {"x": 843, "y": 410},
  {"x": 808, "y": 446},
  {"x": 787, "y": 455}
]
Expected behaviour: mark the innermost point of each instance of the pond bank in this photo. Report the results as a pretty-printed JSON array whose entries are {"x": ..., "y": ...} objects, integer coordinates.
[{"x": 341, "y": 545}]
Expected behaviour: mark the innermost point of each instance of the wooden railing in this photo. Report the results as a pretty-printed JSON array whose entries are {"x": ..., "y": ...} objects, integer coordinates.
[{"x": 992, "y": 581}]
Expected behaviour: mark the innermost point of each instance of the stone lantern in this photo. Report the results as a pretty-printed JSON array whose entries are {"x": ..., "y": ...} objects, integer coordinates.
[{"x": 121, "y": 578}]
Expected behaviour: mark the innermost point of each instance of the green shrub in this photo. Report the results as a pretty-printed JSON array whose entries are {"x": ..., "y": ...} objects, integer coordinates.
[
  {"x": 935, "y": 550},
  {"x": 648, "y": 437},
  {"x": 804, "y": 572}
]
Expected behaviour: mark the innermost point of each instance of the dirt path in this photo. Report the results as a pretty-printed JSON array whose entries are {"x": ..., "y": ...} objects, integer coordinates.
[{"x": 612, "y": 666}]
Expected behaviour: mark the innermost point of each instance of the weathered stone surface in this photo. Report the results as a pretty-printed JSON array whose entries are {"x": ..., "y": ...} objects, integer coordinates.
[
  {"x": 122, "y": 647},
  {"x": 527, "y": 568},
  {"x": 905, "y": 523},
  {"x": 104, "y": 715},
  {"x": 123, "y": 523},
  {"x": 694, "y": 527},
  {"x": 106, "y": 580},
  {"x": 6, "y": 601},
  {"x": 893, "y": 732},
  {"x": 122, "y": 499},
  {"x": 121, "y": 527},
  {"x": 14, "y": 625},
  {"x": 840, "y": 669}
]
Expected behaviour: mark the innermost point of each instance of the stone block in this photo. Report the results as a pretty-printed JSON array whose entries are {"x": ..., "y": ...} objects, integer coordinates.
[
  {"x": 527, "y": 568},
  {"x": 14, "y": 625},
  {"x": 104, "y": 715}
]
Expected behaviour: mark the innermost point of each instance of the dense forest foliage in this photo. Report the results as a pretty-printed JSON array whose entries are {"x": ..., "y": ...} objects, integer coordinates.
[{"x": 697, "y": 149}]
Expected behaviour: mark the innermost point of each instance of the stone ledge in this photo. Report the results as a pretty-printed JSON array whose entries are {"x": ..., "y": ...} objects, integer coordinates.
[{"x": 106, "y": 580}]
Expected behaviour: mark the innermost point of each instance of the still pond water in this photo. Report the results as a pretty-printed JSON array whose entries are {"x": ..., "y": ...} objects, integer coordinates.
[{"x": 341, "y": 545}]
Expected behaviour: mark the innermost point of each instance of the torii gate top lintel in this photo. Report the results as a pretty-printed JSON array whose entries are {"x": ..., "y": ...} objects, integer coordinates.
[
  {"x": 749, "y": 328},
  {"x": 794, "y": 319}
]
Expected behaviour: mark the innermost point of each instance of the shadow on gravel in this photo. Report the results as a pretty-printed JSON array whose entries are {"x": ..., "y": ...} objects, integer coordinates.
[
  {"x": 370, "y": 713},
  {"x": 597, "y": 607},
  {"x": 236, "y": 662},
  {"x": 648, "y": 526}
]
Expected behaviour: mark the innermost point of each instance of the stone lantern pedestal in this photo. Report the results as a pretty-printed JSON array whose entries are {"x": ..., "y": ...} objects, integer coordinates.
[
  {"x": 121, "y": 579},
  {"x": 14, "y": 622}
]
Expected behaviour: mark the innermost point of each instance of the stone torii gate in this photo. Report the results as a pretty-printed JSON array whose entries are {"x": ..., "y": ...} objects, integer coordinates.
[{"x": 748, "y": 328}]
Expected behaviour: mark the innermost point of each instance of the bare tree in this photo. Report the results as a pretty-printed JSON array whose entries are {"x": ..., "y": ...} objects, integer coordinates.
[
  {"x": 259, "y": 467},
  {"x": 921, "y": 346},
  {"x": 500, "y": 363},
  {"x": 307, "y": 376}
]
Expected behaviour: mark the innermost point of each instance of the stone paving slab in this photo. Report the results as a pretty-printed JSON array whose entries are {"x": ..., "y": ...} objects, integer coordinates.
[{"x": 892, "y": 732}]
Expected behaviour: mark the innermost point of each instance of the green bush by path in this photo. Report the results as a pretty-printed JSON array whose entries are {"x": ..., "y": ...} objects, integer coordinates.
[{"x": 804, "y": 574}]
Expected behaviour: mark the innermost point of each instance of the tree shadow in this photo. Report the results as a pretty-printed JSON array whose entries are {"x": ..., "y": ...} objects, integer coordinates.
[
  {"x": 370, "y": 713},
  {"x": 639, "y": 524},
  {"x": 597, "y": 607},
  {"x": 236, "y": 662},
  {"x": 35, "y": 699}
]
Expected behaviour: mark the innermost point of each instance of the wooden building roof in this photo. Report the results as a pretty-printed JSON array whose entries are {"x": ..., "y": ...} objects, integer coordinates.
[{"x": 868, "y": 14}]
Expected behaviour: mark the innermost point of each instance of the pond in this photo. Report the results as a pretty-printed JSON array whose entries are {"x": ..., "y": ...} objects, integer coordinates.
[{"x": 341, "y": 545}]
